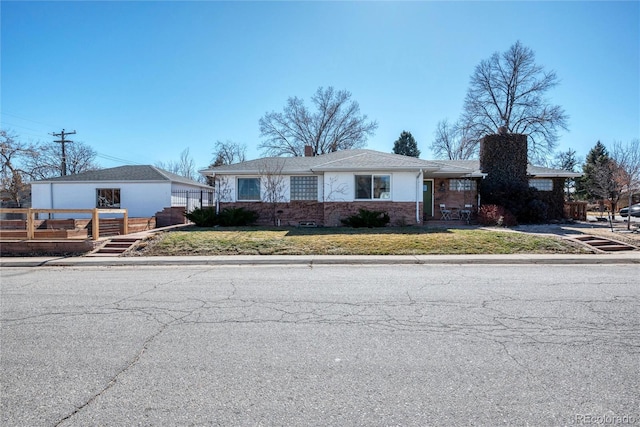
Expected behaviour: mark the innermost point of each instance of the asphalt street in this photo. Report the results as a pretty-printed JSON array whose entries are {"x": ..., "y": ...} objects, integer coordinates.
[{"x": 360, "y": 345}]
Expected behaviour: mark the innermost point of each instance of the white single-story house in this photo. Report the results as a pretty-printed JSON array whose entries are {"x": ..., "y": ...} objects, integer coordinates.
[
  {"x": 143, "y": 190},
  {"x": 323, "y": 189}
]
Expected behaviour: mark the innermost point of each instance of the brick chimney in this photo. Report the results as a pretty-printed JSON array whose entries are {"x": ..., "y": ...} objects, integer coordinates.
[{"x": 308, "y": 151}]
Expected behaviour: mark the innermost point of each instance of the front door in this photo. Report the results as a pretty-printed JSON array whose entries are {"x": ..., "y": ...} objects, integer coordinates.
[{"x": 427, "y": 199}]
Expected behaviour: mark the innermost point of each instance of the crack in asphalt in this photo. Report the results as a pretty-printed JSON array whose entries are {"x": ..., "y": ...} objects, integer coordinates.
[
  {"x": 147, "y": 311},
  {"x": 478, "y": 320},
  {"x": 131, "y": 363}
]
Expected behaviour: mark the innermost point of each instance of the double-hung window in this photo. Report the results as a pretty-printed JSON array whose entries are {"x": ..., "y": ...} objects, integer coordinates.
[
  {"x": 304, "y": 187},
  {"x": 373, "y": 187},
  {"x": 248, "y": 189},
  {"x": 108, "y": 198}
]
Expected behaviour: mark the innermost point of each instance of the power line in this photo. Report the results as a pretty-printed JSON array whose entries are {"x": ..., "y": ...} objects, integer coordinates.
[
  {"x": 23, "y": 127},
  {"x": 21, "y": 134},
  {"x": 24, "y": 118},
  {"x": 117, "y": 159},
  {"x": 64, "y": 154}
]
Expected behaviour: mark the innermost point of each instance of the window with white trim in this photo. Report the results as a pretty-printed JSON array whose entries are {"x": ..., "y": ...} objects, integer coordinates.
[
  {"x": 462, "y": 185},
  {"x": 248, "y": 189},
  {"x": 376, "y": 187},
  {"x": 108, "y": 198},
  {"x": 304, "y": 187},
  {"x": 541, "y": 184}
]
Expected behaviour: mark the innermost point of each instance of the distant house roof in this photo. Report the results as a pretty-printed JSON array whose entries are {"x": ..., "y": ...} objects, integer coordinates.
[
  {"x": 542, "y": 172},
  {"x": 136, "y": 173},
  {"x": 367, "y": 160}
]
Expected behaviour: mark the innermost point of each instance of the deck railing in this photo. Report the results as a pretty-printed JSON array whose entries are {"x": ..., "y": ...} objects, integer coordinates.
[{"x": 31, "y": 215}]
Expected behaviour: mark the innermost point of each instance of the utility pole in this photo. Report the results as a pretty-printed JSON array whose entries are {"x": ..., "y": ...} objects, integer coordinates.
[{"x": 63, "y": 141}]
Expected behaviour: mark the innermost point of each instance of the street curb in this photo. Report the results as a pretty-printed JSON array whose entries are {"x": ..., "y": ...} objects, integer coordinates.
[{"x": 235, "y": 260}]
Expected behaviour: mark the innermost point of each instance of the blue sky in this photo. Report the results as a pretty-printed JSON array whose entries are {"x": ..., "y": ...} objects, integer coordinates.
[{"x": 142, "y": 81}]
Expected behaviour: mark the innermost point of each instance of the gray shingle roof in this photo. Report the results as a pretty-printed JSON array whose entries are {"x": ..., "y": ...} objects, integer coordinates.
[
  {"x": 361, "y": 159},
  {"x": 136, "y": 173},
  {"x": 372, "y": 160},
  {"x": 367, "y": 160}
]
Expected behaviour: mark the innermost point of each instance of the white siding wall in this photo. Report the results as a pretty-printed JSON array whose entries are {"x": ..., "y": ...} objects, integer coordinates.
[
  {"x": 140, "y": 199},
  {"x": 286, "y": 188},
  {"x": 340, "y": 186},
  {"x": 40, "y": 196},
  {"x": 403, "y": 186}
]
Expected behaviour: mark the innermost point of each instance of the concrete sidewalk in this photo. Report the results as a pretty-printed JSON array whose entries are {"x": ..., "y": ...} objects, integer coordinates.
[{"x": 608, "y": 258}]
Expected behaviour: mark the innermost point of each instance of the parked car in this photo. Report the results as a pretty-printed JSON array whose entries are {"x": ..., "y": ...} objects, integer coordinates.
[{"x": 634, "y": 211}]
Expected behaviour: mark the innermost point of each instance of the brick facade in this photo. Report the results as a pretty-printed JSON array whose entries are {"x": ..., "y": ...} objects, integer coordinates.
[
  {"x": 170, "y": 216},
  {"x": 289, "y": 214},
  {"x": 327, "y": 214},
  {"x": 400, "y": 213},
  {"x": 442, "y": 194}
]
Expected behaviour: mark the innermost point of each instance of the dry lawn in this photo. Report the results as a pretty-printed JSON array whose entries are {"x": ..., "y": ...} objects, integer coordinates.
[{"x": 346, "y": 241}]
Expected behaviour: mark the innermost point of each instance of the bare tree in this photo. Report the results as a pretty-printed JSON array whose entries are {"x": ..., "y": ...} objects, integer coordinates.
[
  {"x": 13, "y": 176},
  {"x": 273, "y": 187},
  {"x": 509, "y": 90},
  {"x": 80, "y": 158},
  {"x": 607, "y": 181},
  {"x": 627, "y": 158},
  {"x": 452, "y": 142},
  {"x": 46, "y": 160},
  {"x": 229, "y": 152},
  {"x": 185, "y": 166},
  {"x": 336, "y": 125}
]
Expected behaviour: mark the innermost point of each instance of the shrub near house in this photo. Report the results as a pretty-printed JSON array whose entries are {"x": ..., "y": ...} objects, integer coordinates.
[{"x": 229, "y": 217}]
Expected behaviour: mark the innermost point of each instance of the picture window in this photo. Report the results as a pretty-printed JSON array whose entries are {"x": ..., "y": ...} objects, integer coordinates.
[
  {"x": 249, "y": 189},
  {"x": 373, "y": 187}
]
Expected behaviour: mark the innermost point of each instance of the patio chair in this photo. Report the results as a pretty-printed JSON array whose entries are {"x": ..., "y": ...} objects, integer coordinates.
[
  {"x": 465, "y": 214},
  {"x": 446, "y": 213}
]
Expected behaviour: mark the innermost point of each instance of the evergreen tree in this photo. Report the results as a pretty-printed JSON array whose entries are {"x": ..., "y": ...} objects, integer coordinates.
[
  {"x": 406, "y": 145},
  {"x": 568, "y": 161},
  {"x": 596, "y": 161}
]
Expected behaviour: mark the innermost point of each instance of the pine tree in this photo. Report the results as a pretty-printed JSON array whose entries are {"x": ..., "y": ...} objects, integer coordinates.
[
  {"x": 595, "y": 162},
  {"x": 406, "y": 145},
  {"x": 568, "y": 161}
]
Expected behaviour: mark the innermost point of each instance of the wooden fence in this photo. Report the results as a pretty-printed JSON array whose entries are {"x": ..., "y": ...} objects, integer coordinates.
[
  {"x": 576, "y": 210},
  {"x": 31, "y": 214}
]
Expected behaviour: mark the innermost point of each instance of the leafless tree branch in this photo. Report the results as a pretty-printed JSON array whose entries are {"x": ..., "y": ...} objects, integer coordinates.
[{"x": 336, "y": 125}]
